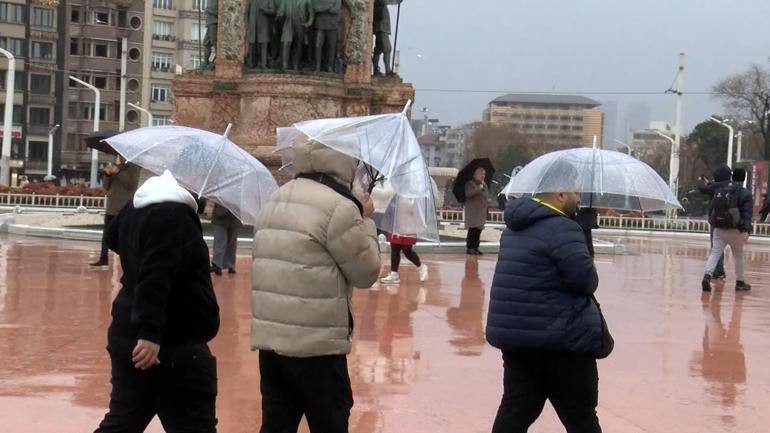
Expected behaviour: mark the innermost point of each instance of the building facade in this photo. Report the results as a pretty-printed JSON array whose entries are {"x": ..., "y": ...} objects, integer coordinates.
[{"x": 557, "y": 118}]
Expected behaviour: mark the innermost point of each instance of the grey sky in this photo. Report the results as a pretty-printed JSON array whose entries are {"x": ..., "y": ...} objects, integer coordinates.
[{"x": 577, "y": 46}]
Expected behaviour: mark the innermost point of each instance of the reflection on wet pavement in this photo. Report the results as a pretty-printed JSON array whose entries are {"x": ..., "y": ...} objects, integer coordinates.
[{"x": 683, "y": 362}]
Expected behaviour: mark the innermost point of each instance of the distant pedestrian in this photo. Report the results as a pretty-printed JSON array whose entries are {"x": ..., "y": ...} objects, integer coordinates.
[
  {"x": 476, "y": 203},
  {"x": 721, "y": 178},
  {"x": 163, "y": 316},
  {"x": 543, "y": 316},
  {"x": 226, "y": 229},
  {"x": 398, "y": 245},
  {"x": 120, "y": 181},
  {"x": 765, "y": 208},
  {"x": 730, "y": 214}
]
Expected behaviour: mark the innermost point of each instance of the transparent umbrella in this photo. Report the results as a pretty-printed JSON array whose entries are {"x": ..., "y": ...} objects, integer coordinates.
[
  {"x": 605, "y": 179},
  {"x": 388, "y": 147},
  {"x": 204, "y": 162}
]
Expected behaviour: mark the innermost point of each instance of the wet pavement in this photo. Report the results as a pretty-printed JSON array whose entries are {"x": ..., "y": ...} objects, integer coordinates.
[{"x": 683, "y": 362}]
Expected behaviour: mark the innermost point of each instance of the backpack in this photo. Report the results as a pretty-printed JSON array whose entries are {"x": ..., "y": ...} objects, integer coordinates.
[{"x": 724, "y": 211}]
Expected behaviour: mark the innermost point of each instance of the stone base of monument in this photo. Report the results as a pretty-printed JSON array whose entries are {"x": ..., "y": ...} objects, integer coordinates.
[{"x": 258, "y": 103}]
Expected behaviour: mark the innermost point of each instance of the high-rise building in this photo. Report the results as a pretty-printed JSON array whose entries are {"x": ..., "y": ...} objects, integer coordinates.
[
  {"x": 445, "y": 146},
  {"x": 560, "y": 118}
]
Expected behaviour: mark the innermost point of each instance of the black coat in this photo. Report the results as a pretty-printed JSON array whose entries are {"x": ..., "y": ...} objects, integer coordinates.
[
  {"x": 541, "y": 296},
  {"x": 166, "y": 295}
]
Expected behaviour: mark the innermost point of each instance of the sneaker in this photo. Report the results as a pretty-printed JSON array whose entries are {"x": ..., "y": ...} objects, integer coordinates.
[
  {"x": 99, "y": 265},
  {"x": 423, "y": 272},
  {"x": 742, "y": 286},
  {"x": 719, "y": 276},
  {"x": 230, "y": 270},
  {"x": 392, "y": 278},
  {"x": 706, "y": 283}
]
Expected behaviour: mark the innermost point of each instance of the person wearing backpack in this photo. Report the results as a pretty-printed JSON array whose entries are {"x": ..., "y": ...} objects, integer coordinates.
[
  {"x": 730, "y": 215},
  {"x": 721, "y": 178}
]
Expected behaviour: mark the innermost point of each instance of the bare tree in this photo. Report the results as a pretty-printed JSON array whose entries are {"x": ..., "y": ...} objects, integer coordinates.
[{"x": 747, "y": 95}]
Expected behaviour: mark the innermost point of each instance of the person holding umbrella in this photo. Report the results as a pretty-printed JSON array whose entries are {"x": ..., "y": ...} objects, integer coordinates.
[
  {"x": 476, "y": 202},
  {"x": 401, "y": 208}
]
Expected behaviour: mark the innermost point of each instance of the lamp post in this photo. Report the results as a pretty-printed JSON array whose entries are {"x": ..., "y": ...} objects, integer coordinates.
[
  {"x": 149, "y": 115},
  {"x": 5, "y": 152},
  {"x": 97, "y": 114},
  {"x": 50, "y": 149},
  {"x": 729, "y": 140},
  {"x": 626, "y": 145}
]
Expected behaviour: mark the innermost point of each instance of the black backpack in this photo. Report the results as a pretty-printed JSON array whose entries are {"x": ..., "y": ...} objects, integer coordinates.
[{"x": 724, "y": 210}]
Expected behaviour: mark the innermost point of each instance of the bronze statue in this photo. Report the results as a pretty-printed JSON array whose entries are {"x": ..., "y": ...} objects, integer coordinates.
[
  {"x": 210, "y": 40},
  {"x": 260, "y": 16},
  {"x": 381, "y": 30},
  {"x": 327, "y": 29},
  {"x": 297, "y": 16}
]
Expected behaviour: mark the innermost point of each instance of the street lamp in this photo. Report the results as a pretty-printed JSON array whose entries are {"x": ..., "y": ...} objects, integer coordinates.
[
  {"x": 729, "y": 140},
  {"x": 5, "y": 152},
  {"x": 50, "y": 149},
  {"x": 97, "y": 113},
  {"x": 149, "y": 115},
  {"x": 624, "y": 144}
]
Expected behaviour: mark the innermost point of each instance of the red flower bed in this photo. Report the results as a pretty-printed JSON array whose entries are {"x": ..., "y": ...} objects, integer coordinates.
[{"x": 46, "y": 188}]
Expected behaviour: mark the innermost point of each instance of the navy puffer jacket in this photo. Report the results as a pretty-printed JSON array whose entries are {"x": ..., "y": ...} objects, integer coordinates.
[{"x": 541, "y": 292}]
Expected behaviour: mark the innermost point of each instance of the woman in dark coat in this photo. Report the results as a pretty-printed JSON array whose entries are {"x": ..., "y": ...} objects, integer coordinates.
[{"x": 476, "y": 201}]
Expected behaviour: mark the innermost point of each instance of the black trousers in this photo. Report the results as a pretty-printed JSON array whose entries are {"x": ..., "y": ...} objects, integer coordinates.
[
  {"x": 473, "y": 239},
  {"x": 409, "y": 253},
  {"x": 570, "y": 382},
  {"x": 181, "y": 390},
  {"x": 103, "y": 257},
  {"x": 317, "y": 387}
]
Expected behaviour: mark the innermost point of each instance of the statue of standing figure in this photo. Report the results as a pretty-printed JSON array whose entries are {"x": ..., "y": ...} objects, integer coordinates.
[
  {"x": 327, "y": 30},
  {"x": 210, "y": 40},
  {"x": 297, "y": 16},
  {"x": 260, "y": 16},
  {"x": 381, "y": 30}
]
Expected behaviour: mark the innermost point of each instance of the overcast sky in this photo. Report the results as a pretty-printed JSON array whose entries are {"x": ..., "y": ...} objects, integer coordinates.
[{"x": 585, "y": 46}]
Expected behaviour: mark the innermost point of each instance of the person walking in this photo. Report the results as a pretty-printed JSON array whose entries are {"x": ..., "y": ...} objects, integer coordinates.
[
  {"x": 163, "y": 316},
  {"x": 476, "y": 202},
  {"x": 730, "y": 215},
  {"x": 314, "y": 242},
  {"x": 721, "y": 178},
  {"x": 226, "y": 229},
  {"x": 398, "y": 245},
  {"x": 543, "y": 316},
  {"x": 120, "y": 182}
]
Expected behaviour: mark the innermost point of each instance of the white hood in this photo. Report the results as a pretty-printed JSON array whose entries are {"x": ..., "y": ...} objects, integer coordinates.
[{"x": 163, "y": 189}]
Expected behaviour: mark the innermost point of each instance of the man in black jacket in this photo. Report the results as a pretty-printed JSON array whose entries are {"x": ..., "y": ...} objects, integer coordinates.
[
  {"x": 163, "y": 315},
  {"x": 734, "y": 233},
  {"x": 543, "y": 317},
  {"x": 721, "y": 178}
]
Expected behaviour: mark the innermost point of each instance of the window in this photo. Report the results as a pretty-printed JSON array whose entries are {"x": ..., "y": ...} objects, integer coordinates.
[
  {"x": 12, "y": 13},
  {"x": 100, "y": 49},
  {"x": 40, "y": 84},
  {"x": 18, "y": 112},
  {"x": 577, "y": 128},
  {"x": 122, "y": 18},
  {"x": 161, "y": 61},
  {"x": 15, "y": 46},
  {"x": 136, "y": 22},
  {"x": 74, "y": 46},
  {"x": 100, "y": 82},
  {"x": 42, "y": 50},
  {"x": 42, "y": 17},
  {"x": 578, "y": 118},
  {"x": 75, "y": 15},
  {"x": 18, "y": 82},
  {"x": 197, "y": 32},
  {"x": 158, "y": 120},
  {"x": 88, "y": 109},
  {"x": 162, "y": 28},
  {"x": 162, "y": 4},
  {"x": 159, "y": 93},
  {"x": 39, "y": 116},
  {"x": 72, "y": 110},
  {"x": 200, "y": 5},
  {"x": 101, "y": 17},
  {"x": 38, "y": 151},
  {"x": 196, "y": 61}
]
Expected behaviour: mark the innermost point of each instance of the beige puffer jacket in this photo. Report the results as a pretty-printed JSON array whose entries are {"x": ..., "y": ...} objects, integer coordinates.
[{"x": 311, "y": 247}]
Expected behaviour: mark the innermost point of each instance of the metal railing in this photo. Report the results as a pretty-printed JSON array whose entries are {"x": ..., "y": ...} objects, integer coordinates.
[{"x": 58, "y": 201}]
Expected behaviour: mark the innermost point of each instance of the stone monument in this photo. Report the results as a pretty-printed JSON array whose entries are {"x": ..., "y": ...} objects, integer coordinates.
[{"x": 257, "y": 86}]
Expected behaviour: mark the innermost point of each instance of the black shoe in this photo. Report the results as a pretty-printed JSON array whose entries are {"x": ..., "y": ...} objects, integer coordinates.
[
  {"x": 478, "y": 252},
  {"x": 99, "y": 265},
  {"x": 742, "y": 286},
  {"x": 216, "y": 269},
  {"x": 706, "y": 283},
  {"x": 719, "y": 276},
  {"x": 231, "y": 270},
  {"x": 474, "y": 252}
]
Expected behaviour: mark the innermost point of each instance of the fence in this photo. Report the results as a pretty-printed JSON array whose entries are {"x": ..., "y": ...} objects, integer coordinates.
[{"x": 58, "y": 201}]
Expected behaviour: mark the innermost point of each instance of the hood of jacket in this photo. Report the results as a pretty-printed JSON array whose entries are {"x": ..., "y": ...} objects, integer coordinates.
[
  {"x": 163, "y": 189},
  {"x": 722, "y": 173},
  {"x": 524, "y": 212},
  {"x": 314, "y": 157}
]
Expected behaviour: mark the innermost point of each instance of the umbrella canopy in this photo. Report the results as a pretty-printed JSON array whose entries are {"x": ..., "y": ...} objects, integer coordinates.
[
  {"x": 605, "y": 179},
  {"x": 96, "y": 141},
  {"x": 388, "y": 147},
  {"x": 204, "y": 162},
  {"x": 466, "y": 174}
]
